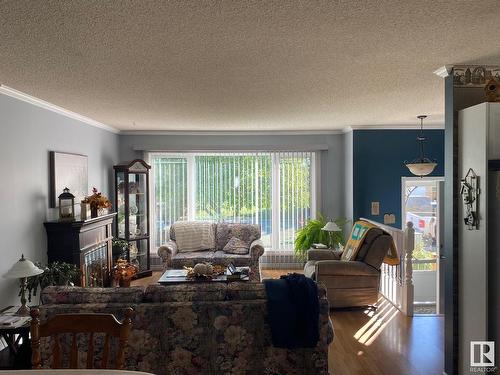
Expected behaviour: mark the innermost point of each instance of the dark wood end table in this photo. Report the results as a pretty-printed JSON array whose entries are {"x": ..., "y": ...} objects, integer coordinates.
[{"x": 17, "y": 337}]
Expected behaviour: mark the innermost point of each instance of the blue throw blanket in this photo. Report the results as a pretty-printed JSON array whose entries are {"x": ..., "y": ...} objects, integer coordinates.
[{"x": 293, "y": 311}]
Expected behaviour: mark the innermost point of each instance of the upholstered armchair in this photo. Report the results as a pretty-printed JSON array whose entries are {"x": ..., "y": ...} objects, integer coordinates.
[{"x": 350, "y": 283}]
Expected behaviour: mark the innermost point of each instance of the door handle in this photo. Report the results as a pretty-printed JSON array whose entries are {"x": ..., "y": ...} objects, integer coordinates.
[{"x": 442, "y": 257}]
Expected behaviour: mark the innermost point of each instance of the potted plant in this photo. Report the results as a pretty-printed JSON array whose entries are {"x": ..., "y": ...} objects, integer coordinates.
[
  {"x": 123, "y": 272},
  {"x": 312, "y": 233},
  {"x": 99, "y": 204},
  {"x": 120, "y": 248},
  {"x": 56, "y": 273}
]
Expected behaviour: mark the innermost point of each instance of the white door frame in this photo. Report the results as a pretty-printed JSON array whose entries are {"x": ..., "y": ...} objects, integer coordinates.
[{"x": 430, "y": 181}]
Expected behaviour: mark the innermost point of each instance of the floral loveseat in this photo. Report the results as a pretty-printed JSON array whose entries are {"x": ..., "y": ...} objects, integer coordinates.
[
  {"x": 210, "y": 328},
  {"x": 223, "y": 232}
]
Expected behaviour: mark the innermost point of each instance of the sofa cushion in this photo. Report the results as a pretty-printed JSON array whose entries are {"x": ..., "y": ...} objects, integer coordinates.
[
  {"x": 190, "y": 258},
  {"x": 245, "y": 232},
  {"x": 75, "y": 295},
  {"x": 205, "y": 291},
  {"x": 239, "y": 260},
  {"x": 349, "y": 281},
  {"x": 194, "y": 235},
  {"x": 236, "y": 246}
]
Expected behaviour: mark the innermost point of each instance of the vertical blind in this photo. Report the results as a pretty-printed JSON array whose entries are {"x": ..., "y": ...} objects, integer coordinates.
[{"x": 272, "y": 189}]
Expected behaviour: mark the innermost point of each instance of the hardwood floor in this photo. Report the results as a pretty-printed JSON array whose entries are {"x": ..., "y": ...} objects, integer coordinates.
[
  {"x": 380, "y": 342},
  {"x": 385, "y": 342}
]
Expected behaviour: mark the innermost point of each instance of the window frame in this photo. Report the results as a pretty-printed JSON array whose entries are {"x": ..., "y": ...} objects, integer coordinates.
[{"x": 276, "y": 155}]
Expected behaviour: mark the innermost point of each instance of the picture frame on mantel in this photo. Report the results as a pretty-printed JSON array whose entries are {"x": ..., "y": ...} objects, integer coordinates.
[{"x": 67, "y": 170}]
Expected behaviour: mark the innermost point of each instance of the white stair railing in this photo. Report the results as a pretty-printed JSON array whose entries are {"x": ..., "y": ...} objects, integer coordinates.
[
  {"x": 396, "y": 282},
  {"x": 408, "y": 290}
]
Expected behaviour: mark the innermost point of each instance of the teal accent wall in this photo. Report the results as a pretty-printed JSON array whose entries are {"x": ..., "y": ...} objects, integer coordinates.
[{"x": 378, "y": 165}]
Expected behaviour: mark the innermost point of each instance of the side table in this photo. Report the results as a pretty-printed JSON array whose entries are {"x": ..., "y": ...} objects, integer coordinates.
[{"x": 16, "y": 336}]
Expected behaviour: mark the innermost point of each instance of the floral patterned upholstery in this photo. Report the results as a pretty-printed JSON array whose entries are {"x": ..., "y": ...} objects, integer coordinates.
[
  {"x": 249, "y": 233},
  {"x": 245, "y": 232},
  {"x": 195, "y": 329}
]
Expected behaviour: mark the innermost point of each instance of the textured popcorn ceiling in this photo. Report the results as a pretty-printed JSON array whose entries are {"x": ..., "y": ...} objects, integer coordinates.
[{"x": 243, "y": 65}]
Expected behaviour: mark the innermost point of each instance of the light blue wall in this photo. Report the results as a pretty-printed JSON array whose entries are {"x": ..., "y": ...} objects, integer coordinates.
[
  {"x": 332, "y": 159},
  {"x": 27, "y": 134},
  {"x": 378, "y": 165},
  {"x": 348, "y": 179}
]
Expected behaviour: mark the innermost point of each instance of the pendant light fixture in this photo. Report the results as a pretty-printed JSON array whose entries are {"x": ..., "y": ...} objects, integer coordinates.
[{"x": 421, "y": 166}]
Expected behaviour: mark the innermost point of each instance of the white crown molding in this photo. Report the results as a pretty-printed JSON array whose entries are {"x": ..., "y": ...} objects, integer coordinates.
[
  {"x": 243, "y": 132},
  {"x": 13, "y": 93},
  {"x": 444, "y": 71},
  {"x": 229, "y": 148},
  {"x": 392, "y": 127}
]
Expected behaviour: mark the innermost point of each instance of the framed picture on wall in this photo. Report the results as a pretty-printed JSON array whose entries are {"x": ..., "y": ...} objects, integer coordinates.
[{"x": 68, "y": 170}]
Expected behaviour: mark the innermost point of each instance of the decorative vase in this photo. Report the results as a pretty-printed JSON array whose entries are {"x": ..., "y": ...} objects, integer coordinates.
[
  {"x": 85, "y": 211},
  {"x": 125, "y": 283},
  {"x": 96, "y": 212}
]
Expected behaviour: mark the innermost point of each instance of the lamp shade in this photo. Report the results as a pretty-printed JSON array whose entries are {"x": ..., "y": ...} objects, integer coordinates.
[
  {"x": 421, "y": 168},
  {"x": 23, "y": 268},
  {"x": 331, "y": 227}
]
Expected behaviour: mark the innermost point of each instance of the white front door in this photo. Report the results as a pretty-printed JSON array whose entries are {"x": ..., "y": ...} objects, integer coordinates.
[{"x": 421, "y": 201}]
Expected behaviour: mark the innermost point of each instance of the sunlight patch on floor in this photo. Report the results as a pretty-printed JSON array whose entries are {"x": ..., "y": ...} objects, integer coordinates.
[{"x": 379, "y": 319}]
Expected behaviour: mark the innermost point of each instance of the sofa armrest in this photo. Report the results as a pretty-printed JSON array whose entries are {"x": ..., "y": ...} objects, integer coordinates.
[
  {"x": 167, "y": 251},
  {"x": 323, "y": 254},
  {"x": 344, "y": 268},
  {"x": 256, "y": 249}
]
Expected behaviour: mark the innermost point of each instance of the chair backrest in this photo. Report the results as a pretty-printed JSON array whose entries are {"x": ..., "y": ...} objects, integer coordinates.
[
  {"x": 80, "y": 324},
  {"x": 378, "y": 250},
  {"x": 371, "y": 235}
]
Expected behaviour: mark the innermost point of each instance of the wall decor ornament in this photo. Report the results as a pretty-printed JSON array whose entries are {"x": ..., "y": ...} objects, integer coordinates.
[
  {"x": 85, "y": 211},
  {"x": 66, "y": 205},
  {"x": 67, "y": 171},
  {"x": 474, "y": 75},
  {"x": 470, "y": 191},
  {"x": 99, "y": 204},
  {"x": 492, "y": 90}
]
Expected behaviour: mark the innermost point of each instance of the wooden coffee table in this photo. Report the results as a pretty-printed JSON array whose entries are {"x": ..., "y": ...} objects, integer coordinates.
[{"x": 180, "y": 276}]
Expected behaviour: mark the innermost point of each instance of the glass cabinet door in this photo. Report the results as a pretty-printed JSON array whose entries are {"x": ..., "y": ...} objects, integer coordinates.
[
  {"x": 120, "y": 199},
  {"x": 138, "y": 251},
  {"x": 138, "y": 208}
]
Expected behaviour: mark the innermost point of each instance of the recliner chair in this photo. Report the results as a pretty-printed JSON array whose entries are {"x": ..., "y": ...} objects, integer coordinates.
[{"x": 350, "y": 283}]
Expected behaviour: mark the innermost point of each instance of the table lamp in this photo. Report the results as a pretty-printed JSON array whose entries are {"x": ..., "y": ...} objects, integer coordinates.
[
  {"x": 331, "y": 227},
  {"x": 23, "y": 269}
]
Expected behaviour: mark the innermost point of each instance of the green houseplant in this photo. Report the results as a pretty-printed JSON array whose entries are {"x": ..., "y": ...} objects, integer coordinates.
[
  {"x": 56, "y": 273},
  {"x": 312, "y": 233},
  {"x": 120, "y": 248}
]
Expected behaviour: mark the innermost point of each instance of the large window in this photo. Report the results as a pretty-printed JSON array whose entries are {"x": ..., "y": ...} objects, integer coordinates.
[{"x": 273, "y": 189}]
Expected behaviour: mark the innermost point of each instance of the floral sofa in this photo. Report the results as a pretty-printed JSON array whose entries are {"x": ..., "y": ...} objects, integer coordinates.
[
  {"x": 172, "y": 258},
  {"x": 211, "y": 328}
]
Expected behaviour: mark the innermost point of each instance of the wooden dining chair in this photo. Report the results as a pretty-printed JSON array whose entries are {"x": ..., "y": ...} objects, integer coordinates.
[{"x": 80, "y": 324}]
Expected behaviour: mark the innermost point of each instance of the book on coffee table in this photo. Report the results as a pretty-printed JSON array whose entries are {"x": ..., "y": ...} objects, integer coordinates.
[{"x": 176, "y": 273}]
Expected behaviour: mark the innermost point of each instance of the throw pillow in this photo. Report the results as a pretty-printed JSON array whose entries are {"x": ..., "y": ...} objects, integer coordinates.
[
  {"x": 245, "y": 232},
  {"x": 236, "y": 246},
  {"x": 194, "y": 236}
]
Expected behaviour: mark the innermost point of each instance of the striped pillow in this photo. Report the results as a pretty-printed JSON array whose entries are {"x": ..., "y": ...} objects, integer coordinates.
[{"x": 194, "y": 235}]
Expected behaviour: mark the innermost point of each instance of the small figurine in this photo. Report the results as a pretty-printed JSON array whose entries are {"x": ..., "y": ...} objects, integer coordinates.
[{"x": 492, "y": 90}]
